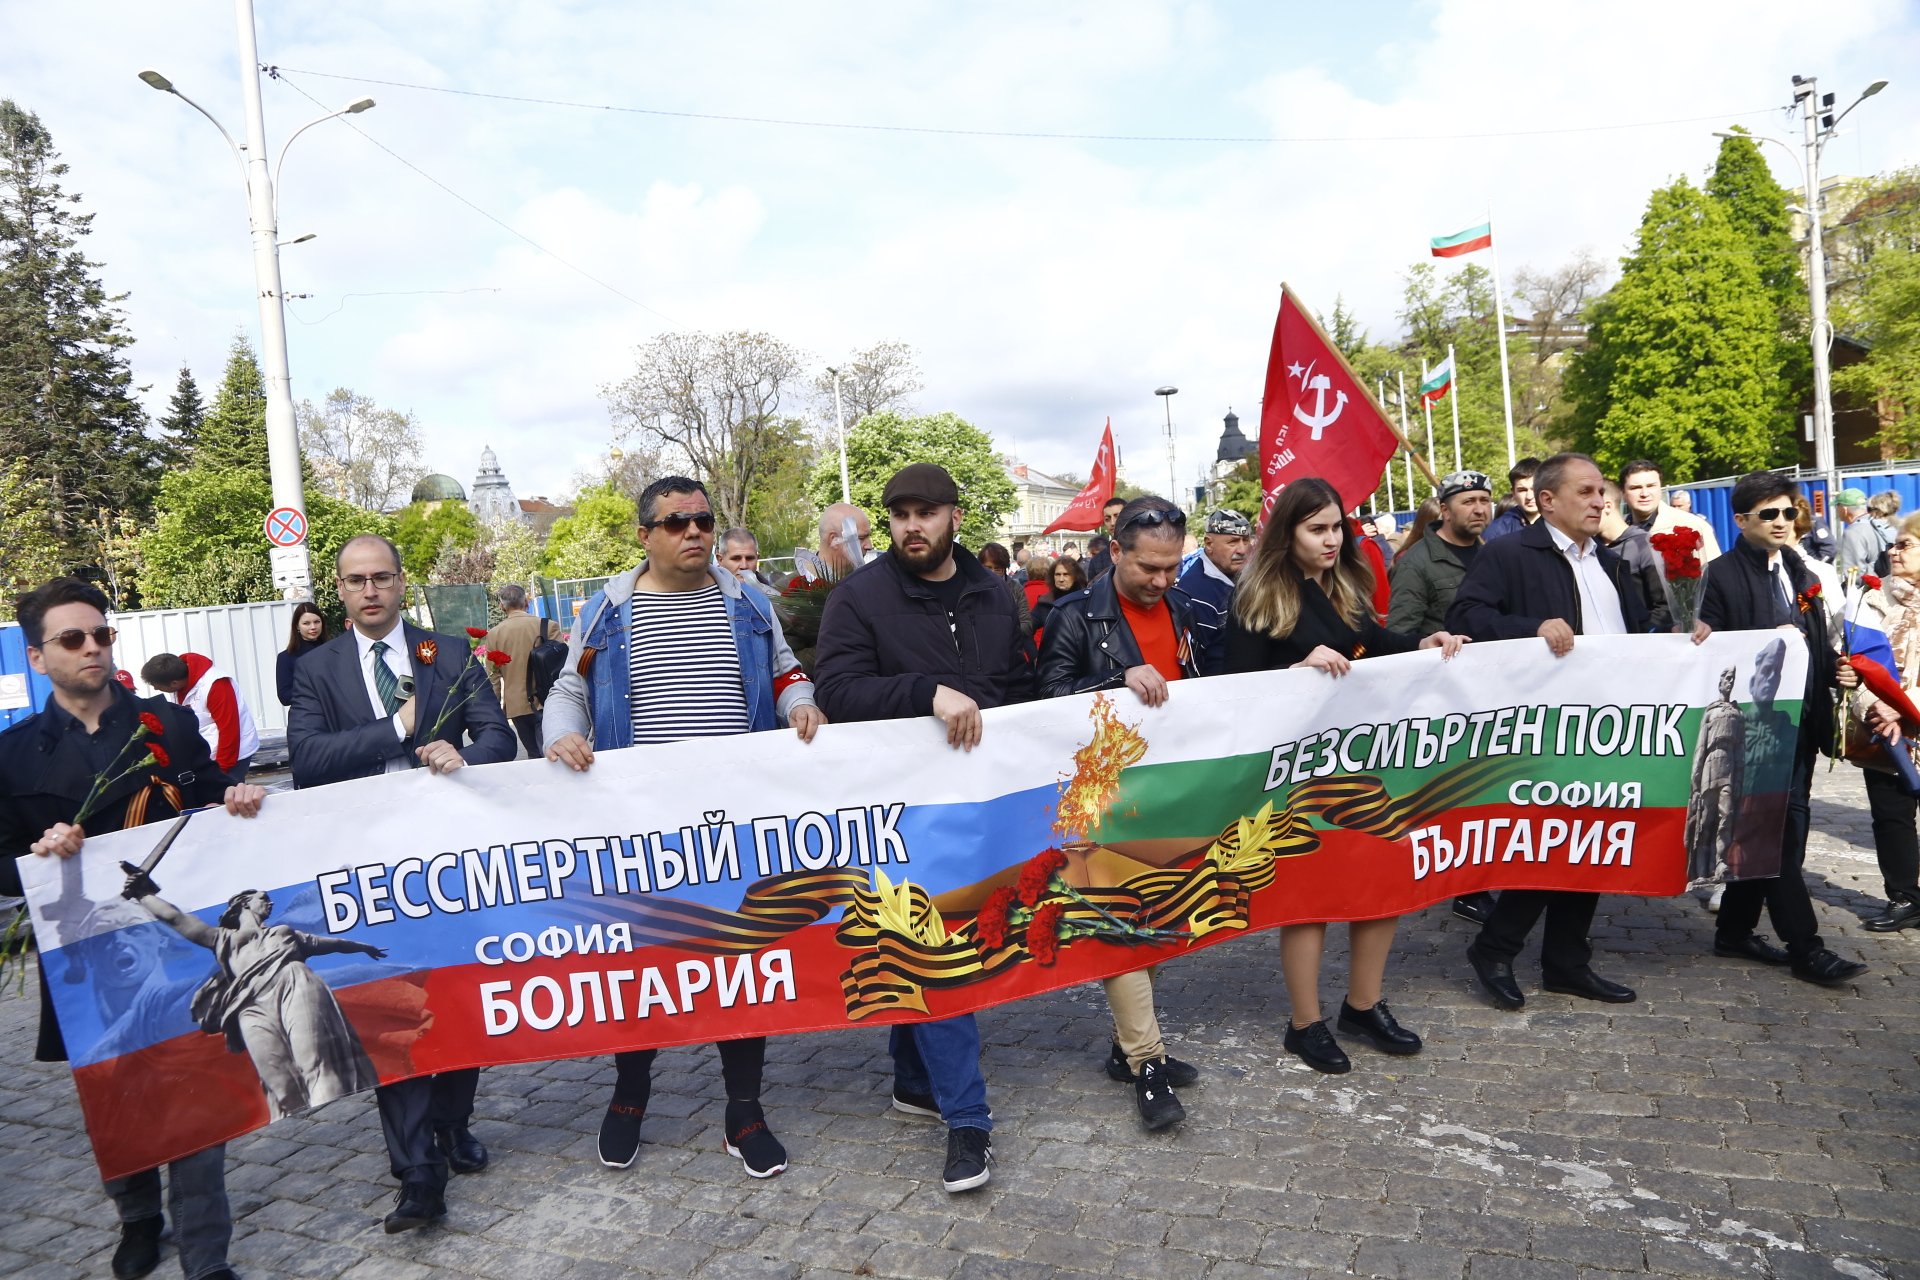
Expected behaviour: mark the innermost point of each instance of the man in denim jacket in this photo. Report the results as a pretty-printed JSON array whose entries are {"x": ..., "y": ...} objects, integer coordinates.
[{"x": 677, "y": 649}]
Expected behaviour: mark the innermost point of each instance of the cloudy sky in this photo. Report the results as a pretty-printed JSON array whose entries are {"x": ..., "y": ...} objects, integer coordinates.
[{"x": 1047, "y": 283}]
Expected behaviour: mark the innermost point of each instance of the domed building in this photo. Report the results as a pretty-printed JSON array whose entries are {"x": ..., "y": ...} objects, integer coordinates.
[
  {"x": 493, "y": 503},
  {"x": 435, "y": 489}
]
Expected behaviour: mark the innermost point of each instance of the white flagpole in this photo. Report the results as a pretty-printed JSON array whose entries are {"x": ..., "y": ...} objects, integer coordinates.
[
  {"x": 1453, "y": 398},
  {"x": 1426, "y": 407},
  {"x": 1380, "y": 385},
  {"x": 1500, "y": 322},
  {"x": 1405, "y": 437}
]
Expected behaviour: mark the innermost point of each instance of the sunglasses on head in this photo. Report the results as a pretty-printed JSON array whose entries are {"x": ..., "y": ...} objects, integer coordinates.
[
  {"x": 1153, "y": 516},
  {"x": 677, "y": 523},
  {"x": 1769, "y": 514},
  {"x": 72, "y": 638}
]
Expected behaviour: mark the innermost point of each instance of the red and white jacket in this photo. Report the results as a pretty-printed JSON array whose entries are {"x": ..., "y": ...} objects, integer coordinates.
[{"x": 225, "y": 722}]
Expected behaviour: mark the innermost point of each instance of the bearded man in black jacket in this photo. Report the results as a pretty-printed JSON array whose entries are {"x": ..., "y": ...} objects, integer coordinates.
[{"x": 1762, "y": 582}]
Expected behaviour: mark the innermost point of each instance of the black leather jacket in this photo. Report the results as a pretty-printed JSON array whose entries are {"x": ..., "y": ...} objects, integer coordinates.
[{"x": 1088, "y": 646}]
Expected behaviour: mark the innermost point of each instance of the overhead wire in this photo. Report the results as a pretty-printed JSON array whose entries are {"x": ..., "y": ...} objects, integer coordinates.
[
  {"x": 1025, "y": 134},
  {"x": 279, "y": 74},
  {"x": 378, "y": 293}
]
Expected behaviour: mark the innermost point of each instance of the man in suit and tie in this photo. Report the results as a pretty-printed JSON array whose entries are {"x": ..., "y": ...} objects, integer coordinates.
[{"x": 363, "y": 704}]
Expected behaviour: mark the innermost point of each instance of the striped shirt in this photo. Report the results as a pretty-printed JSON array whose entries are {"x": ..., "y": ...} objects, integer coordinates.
[{"x": 683, "y": 670}]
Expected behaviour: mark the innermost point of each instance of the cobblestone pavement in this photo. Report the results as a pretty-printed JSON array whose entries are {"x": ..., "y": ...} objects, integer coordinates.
[{"x": 1733, "y": 1122}]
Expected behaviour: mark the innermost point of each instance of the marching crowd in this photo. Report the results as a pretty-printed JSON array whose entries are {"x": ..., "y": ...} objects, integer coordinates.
[{"x": 689, "y": 643}]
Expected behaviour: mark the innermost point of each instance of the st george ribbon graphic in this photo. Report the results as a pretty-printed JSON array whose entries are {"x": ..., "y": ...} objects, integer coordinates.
[{"x": 407, "y": 923}]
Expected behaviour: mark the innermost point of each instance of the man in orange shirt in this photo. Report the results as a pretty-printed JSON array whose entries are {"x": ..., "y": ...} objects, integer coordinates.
[{"x": 1131, "y": 627}]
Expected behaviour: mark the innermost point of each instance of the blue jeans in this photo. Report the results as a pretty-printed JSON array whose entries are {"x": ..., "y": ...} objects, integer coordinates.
[
  {"x": 197, "y": 1195},
  {"x": 943, "y": 1059}
]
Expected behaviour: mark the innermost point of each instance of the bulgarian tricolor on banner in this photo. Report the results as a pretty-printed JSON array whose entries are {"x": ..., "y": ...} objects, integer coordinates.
[
  {"x": 1439, "y": 382},
  {"x": 1461, "y": 243}
]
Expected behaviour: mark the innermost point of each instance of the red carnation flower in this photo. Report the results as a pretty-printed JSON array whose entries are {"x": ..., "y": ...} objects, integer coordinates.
[
  {"x": 159, "y": 754},
  {"x": 1037, "y": 875},
  {"x": 478, "y": 633},
  {"x": 499, "y": 657},
  {"x": 1871, "y": 581},
  {"x": 1043, "y": 932},
  {"x": 991, "y": 926},
  {"x": 151, "y": 723},
  {"x": 1812, "y": 592}
]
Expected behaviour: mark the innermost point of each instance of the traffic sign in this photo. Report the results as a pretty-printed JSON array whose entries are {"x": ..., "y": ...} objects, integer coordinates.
[{"x": 286, "y": 527}]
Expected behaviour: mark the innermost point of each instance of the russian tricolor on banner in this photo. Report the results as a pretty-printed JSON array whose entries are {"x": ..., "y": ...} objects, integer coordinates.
[
  {"x": 1472, "y": 240},
  {"x": 1439, "y": 382}
]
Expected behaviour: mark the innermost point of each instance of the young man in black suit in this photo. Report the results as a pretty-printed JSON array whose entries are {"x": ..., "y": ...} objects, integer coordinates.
[
  {"x": 363, "y": 704},
  {"x": 1554, "y": 580}
]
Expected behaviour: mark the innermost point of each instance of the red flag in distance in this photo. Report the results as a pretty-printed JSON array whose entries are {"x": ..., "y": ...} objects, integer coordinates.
[{"x": 1083, "y": 513}]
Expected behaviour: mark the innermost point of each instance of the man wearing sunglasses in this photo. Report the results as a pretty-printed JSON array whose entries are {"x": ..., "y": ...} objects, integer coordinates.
[
  {"x": 927, "y": 630},
  {"x": 675, "y": 649},
  {"x": 366, "y": 703},
  {"x": 47, "y": 762},
  {"x": 1132, "y": 627},
  {"x": 1763, "y": 582}
]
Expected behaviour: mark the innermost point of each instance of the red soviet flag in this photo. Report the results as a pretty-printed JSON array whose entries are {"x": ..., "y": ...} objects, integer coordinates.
[
  {"x": 1083, "y": 512},
  {"x": 1318, "y": 418}
]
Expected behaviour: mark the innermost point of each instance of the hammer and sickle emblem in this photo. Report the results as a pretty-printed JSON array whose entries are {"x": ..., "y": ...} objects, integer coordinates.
[{"x": 1321, "y": 418}]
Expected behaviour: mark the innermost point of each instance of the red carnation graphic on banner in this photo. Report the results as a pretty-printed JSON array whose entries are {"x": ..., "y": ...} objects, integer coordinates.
[{"x": 1318, "y": 419}]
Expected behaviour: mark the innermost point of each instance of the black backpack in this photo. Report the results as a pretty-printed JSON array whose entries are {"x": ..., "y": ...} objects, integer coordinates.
[{"x": 544, "y": 664}]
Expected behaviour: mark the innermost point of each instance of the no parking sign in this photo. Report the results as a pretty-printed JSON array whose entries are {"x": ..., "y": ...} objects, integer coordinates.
[{"x": 286, "y": 527}]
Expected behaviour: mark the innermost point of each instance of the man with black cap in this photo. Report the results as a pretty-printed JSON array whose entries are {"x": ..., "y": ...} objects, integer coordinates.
[
  {"x": 927, "y": 630},
  {"x": 1208, "y": 583}
]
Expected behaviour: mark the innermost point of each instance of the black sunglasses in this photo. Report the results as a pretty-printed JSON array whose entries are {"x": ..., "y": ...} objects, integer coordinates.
[
  {"x": 1154, "y": 516},
  {"x": 677, "y": 523},
  {"x": 1767, "y": 515},
  {"x": 72, "y": 638}
]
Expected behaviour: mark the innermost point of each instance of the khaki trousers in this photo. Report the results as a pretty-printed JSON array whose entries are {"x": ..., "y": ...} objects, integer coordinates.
[{"x": 1135, "y": 1025}]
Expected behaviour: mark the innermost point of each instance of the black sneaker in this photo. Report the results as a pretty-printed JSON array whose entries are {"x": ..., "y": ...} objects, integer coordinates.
[
  {"x": 1473, "y": 907},
  {"x": 1317, "y": 1048},
  {"x": 1176, "y": 1073},
  {"x": 969, "y": 1159},
  {"x": 139, "y": 1248},
  {"x": 1159, "y": 1108},
  {"x": 909, "y": 1103},
  {"x": 620, "y": 1134},
  {"x": 749, "y": 1138}
]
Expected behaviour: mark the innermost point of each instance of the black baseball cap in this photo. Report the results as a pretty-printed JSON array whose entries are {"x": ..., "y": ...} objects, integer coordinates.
[{"x": 922, "y": 480}]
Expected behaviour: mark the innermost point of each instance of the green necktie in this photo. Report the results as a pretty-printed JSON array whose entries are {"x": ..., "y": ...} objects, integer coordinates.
[{"x": 384, "y": 680}]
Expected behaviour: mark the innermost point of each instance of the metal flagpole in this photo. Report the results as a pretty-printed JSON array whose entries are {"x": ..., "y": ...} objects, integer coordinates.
[
  {"x": 1380, "y": 384},
  {"x": 1426, "y": 407},
  {"x": 1453, "y": 397},
  {"x": 1404, "y": 437},
  {"x": 1500, "y": 323}
]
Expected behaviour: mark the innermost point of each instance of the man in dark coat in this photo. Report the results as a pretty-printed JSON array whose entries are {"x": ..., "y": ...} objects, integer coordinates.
[
  {"x": 48, "y": 765},
  {"x": 1554, "y": 580},
  {"x": 926, "y": 630},
  {"x": 1762, "y": 582},
  {"x": 364, "y": 704}
]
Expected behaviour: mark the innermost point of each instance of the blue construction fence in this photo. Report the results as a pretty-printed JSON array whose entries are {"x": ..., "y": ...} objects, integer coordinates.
[{"x": 22, "y": 689}]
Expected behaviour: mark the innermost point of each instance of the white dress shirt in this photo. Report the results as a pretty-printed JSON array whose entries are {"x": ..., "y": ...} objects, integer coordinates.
[
  {"x": 1600, "y": 613},
  {"x": 398, "y": 661}
]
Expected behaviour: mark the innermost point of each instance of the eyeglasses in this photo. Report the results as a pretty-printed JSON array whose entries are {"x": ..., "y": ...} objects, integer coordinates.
[
  {"x": 1767, "y": 515},
  {"x": 72, "y": 638},
  {"x": 1153, "y": 516},
  {"x": 361, "y": 581},
  {"x": 676, "y": 524},
  {"x": 1903, "y": 545}
]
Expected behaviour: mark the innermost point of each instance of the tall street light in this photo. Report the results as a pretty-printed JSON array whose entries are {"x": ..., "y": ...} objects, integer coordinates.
[
  {"x": 292, "y": 567},
  {"x": 1166, "y": 395},
  {"x": 840, "y": 421}
]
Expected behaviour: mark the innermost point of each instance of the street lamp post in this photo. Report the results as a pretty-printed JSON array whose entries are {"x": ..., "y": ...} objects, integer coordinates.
[
  {"x": 1166, "y": 395},
  {"x": 292, "y": 567},
  {"x": 840, "y": 422}
]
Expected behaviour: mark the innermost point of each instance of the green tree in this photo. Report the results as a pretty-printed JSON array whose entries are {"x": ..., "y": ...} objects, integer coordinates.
[
  {"x": 516, "y": 554},
  {"x": 1756, "y": 208},
  {"x": 67, "y": 406},
  {"x": 1682, "y": 363},
  {"x": 180, "y": 429},
  {"x": 30, "y": 549},
  {"x": 779, "y": 511},
  {"x": 1242, "y": 489},
  {"x": 1877, "y": 299},
  {"x": 881, "y": 443},
  {"x": 424, "y": 527},
  {"x": 234, "y": 431},
  {"x": 601, "y": 537}
]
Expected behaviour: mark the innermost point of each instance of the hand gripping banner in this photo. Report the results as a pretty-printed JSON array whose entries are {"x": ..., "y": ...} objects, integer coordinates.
[{"x": 756, "y": 885}]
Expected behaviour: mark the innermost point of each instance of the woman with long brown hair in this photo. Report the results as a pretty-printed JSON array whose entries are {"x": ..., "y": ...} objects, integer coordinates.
[
  {"x": 1305, "y": 600},
  {"x": 309, "y": 632}
]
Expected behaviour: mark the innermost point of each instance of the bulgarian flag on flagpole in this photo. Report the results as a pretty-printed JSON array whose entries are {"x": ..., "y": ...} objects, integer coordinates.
[
  {"x": 1472, "y": 240},
  {"x": 1439, "y": 382}
]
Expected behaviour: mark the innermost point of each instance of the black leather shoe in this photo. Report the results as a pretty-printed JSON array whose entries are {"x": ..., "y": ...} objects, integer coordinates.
[
  {"x": 1752, "y": 947},
  {"x": 1378, "y": 1027},
  {"x": 1898, "y": 915},
  {"x": 1473, "y": 907},
  {"x": 1173, "y": 1072},
  {"x": 416, "y": 1206},
  {"x": 139, "y": 1249},
  {"x": 1826, "y": 968},
  {"x": 465, "y": 1153},
  {"x": 1316, "y": 1047},
  {"x": 1496, "y": 977},
  {"x": 1588, "y": 985}
]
